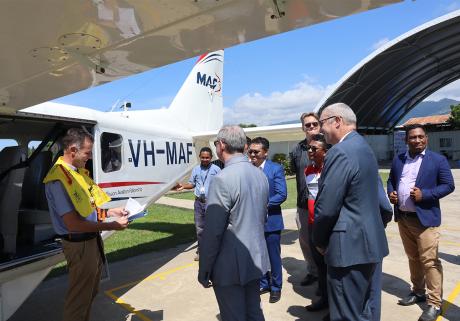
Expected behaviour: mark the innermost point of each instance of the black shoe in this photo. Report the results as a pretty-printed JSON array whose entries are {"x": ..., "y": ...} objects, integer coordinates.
[
  {"x": 430, "y": 314},
  {"x": 319, "y": 305},
  {"x": 263, "y": 291},
  {"x": 412, "y": 299},
  {"x": 309, "y": 279},
  {"x": 327, "y": 317},
  {"x": 275, "y": 296}
]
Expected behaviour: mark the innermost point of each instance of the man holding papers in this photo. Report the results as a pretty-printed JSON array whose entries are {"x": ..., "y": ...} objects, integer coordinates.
[{"x": 72, "y": 199}]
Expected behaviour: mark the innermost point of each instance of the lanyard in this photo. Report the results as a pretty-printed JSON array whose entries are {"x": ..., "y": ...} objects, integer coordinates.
[{"x": 206, "y": 177}]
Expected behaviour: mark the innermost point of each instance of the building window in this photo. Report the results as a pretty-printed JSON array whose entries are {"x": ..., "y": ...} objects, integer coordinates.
[
  {"x": 111, "y": 147},
  {"x": 445, "y": 142}
]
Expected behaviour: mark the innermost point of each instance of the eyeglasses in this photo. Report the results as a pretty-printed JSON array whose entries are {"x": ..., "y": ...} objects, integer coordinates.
[
  {"x": 313, "y": 148},
  {"x": 321, "y": 121},
  {"x": 252, "y": 151},
  {"x": 312, "y": 124}
]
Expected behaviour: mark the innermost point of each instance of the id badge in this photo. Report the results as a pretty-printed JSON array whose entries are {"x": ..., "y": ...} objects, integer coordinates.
[{"x": 202, "y": 190}]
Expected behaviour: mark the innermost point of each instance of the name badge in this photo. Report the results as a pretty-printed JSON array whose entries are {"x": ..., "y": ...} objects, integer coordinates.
[{"x": 202, "y": 190}]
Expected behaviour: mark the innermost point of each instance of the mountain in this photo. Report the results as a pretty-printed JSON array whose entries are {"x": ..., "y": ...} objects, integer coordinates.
[{"x": 430, "y": 108}]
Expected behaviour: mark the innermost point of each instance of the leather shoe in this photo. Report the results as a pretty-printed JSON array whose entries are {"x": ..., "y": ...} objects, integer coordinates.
[
  {"x": 309, "y": 279},
  {"x": 263, "y": 291},
  {"x": 430, "y": 314},
  {"x": 412, "y": 299},
  {"x": 275, "y": 296},
  {"x": 319, "y": 305}
]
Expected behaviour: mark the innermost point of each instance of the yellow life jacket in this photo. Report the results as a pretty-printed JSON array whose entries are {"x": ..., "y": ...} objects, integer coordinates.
[{"x": 84, "y": 193}]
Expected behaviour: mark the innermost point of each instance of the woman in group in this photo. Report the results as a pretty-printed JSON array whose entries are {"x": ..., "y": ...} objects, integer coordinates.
[{"x": 316, "y": 152}]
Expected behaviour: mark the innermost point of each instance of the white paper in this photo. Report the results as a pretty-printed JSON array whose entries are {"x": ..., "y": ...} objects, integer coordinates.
[{"x": 133, "y": 207}]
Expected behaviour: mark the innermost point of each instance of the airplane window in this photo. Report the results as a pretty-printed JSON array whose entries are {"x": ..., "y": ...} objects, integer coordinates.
[
  {"x": 111, "y": 146},
  {"x": 7, "y": 142}
]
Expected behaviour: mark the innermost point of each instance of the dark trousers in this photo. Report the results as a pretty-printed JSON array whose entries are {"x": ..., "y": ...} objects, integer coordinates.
[
  {"x": 200, "y": 209},
  {"x": 239, "y": 302},
  {"x": 376, "y": 292},
  {"x": 318, "y": 258},
  {"x": 273, "y": 280},
  {"x": 349, "y": 290}
]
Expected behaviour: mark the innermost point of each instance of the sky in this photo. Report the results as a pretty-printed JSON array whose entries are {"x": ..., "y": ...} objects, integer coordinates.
[{"x": 287, "y": 73}]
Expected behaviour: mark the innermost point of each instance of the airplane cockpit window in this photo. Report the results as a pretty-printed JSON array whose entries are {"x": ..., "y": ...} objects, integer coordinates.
[
  {"x": 111, "y": 147},
  {"x": 7, "y": 142}
]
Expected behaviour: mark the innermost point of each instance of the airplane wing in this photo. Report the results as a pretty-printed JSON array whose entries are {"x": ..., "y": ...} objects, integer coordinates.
[
  {"x": 276, "y": 133},
  {"x": 57, "y": 47}
]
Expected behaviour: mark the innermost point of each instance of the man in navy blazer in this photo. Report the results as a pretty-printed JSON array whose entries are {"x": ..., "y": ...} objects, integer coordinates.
[
  {"x": 258, "y": 151},
  {"x": 348, "y": 227},
  {"x": 418, "y": 179}
]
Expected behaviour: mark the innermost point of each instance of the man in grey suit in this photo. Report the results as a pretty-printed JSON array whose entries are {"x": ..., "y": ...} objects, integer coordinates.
[
  {"x": 348, "y": 227},
  {"x": 233, "y": 251}
]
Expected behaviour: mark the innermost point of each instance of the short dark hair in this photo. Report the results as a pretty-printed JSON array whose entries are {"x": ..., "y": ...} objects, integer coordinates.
[
  {"x": 206, "y": 150},
  {"x": 408, "y": 128},
  {"x": 262, "y": 141},
  {"x": 321, "y": 139},
  {"x": 248, "y": 140},
  {"x": 305, "y": 115},
  {"x": 76, "y": 136}
]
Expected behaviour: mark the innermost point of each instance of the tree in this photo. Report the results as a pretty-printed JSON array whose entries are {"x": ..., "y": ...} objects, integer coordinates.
[
  {"x": 247, "y": 125},
  {"x": 454, "y": 118}
]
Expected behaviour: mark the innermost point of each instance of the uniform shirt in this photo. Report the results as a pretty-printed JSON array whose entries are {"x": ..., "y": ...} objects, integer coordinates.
[
  {"x": 201, "y": 176},
  {"x": 59, "y": 204},
  {"x": 407, "y": 181}
]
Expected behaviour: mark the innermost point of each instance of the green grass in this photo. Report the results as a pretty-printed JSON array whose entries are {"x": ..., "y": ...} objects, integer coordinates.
[
  {"x": 183, "y": 196},
  {"x": 164, "y": 227},
  {"x": 291, "y": 188}
]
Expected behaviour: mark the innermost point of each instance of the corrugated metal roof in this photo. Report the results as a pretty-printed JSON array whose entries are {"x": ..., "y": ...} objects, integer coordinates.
[{"x": 387, "y": 84}]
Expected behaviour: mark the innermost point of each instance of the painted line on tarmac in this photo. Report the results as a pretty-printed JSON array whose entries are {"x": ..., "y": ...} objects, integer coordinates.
[
  {"x": 161, "y": 276},
  {"x": 130, "y": 308},
  {"x": 450, "y": 300}
]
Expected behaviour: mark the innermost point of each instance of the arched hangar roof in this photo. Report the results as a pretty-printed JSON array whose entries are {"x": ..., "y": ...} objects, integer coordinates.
[{"x": 388, "y": 83}]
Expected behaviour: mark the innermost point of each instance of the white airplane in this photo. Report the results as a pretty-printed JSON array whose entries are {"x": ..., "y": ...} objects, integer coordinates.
[
  {"x": 58, "y": 47},
  {"x": 136, "y": 154}
]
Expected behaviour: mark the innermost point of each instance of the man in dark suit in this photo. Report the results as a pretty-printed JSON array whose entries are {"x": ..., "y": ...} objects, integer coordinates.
[
  {"x": 348, "y": 228},
  {"x": 258, "y": 151},
  {"x": 418, "y": 179},
  {"x": 233, "y": 251}
]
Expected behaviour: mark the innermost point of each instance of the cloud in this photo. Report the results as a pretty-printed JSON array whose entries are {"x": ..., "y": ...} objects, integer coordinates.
[
  {"x": 275, "y": 107},
  {"x": 380, "y": 43},
  {"x": 451, "y": 91}
]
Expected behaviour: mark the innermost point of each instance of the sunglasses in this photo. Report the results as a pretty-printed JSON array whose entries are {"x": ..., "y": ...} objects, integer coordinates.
[
  {"x": 313, "y": 148},
  {"x": 312, "y": 124},
  {"x": 252, "y": 151},
  {"x": 321, "y": 121}
]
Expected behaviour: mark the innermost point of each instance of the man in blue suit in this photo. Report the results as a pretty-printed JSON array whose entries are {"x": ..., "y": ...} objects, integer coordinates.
[
  {"x": 258, "y": 151},
  {"x": 418, "y": 179},
  {"x": 348, "y": 227}
]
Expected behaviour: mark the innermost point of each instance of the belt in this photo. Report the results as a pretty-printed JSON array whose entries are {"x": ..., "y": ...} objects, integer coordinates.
[
  {"x": 78, "y": 237},
  {"x": 81, "y": 237},
  {"x": 199, "y": 199},
  {"x": 408, "y": 214}
]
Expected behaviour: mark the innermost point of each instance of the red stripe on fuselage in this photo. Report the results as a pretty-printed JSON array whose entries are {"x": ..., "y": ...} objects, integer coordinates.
[
  {"x": 201, "y": 57},
  {"x": 118, "y": 184}
]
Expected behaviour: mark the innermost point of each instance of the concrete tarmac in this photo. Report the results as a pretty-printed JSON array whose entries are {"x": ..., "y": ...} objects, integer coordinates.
[{"x": 163, "y": 286}]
